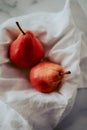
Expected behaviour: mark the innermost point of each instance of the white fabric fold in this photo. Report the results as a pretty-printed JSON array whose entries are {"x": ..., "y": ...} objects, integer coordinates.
[{"x": 64, "y": 41}]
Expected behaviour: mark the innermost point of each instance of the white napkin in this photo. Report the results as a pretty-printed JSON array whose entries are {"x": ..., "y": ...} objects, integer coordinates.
[{"x": 21, "y": 106}]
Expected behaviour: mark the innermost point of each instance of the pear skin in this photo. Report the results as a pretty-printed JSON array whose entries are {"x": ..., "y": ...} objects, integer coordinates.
[
  {"x": 46, "y": 76},
  {"x": 26, "y": 51}
]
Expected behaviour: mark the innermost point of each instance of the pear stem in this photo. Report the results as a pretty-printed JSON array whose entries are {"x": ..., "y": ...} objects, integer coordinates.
[
  {"x": 67, "y": 72},
  {"x": 17, "y": 23}
]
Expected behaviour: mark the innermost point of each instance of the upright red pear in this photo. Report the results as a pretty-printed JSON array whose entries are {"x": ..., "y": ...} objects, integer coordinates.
[
  {"x": 26, "y": 51},
  {"x": 46, "y": 76}
]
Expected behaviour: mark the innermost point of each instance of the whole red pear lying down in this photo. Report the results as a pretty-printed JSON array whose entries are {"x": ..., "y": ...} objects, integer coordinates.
[
  {"x": 26, "y": 50},
  {"x": 46, "y": 76}
]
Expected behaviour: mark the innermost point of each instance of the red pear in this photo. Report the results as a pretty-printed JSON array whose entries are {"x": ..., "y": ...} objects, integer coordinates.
[
  {"x": 46, "y": 76},
  {"x": 26, "y": 51}
]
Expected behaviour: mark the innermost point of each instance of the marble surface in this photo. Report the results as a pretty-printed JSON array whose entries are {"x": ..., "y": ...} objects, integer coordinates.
[
  {"x": 77, "y": 119},
  {"x": 11, "y": 8}
]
